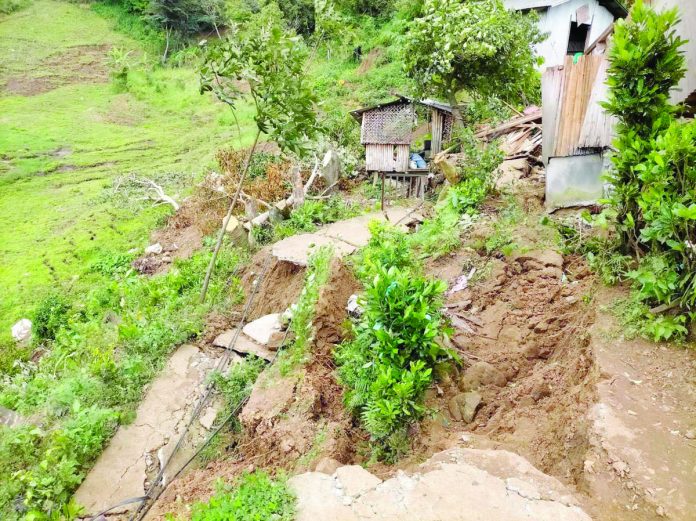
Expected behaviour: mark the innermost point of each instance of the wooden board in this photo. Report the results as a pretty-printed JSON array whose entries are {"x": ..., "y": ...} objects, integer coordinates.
[{"x": 386, "y": 158}]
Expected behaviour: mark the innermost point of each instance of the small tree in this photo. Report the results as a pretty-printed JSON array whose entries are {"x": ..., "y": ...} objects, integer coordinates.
[
  {"x": 474, "y": 45},
  {"x": 271, "y": 62}
]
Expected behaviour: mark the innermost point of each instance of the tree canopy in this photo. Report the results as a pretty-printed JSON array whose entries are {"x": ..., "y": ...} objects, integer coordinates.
[
  {"x": 271, "y": 62},
  {"x": 475, "y": 45}
]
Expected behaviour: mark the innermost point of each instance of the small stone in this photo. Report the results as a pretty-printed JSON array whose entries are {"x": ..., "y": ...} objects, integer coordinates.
[
  {"x": 660, "y": 511},
  {"x": 690, "y": 434},
  {"x": 464, "y": 406},
  {"x": 154, "y": 249}
]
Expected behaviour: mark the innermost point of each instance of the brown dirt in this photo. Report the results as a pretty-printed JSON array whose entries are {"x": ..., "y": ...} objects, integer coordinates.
[
  {"x": 369, "y": 60},
  {"x": 78, "y": 64},
  {"x": 291, "y": 421}
]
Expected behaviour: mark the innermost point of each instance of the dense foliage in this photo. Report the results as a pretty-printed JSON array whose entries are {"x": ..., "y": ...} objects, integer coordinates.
[
  {"x": 654, "y": 166},
  {"x": 388, "y": 364},
  {"x": 478, "y": 46},
  {"x": 302, "y": 312},
  {"x": 254, "y": 497}
]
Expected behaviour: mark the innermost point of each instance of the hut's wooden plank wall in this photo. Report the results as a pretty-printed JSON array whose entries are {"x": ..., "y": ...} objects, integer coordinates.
[
  {"x": 386, "y": 158},
  {"x": 573, "y": 119}
]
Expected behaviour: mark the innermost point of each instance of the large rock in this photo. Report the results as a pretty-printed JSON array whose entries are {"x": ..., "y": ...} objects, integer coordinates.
[
  {"x": 21, "y": 330},
  {"x": 267, "y": 330},
  {"x": 479, "y": 375},
  {"x": 455, "y": 485},
  {"x": 331, "y": 168}
]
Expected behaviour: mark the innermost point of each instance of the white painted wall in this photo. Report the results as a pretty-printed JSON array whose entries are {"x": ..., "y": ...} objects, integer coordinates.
[
  {"x": 687, "y": 30},
  {"x": 556, "y": 19}
]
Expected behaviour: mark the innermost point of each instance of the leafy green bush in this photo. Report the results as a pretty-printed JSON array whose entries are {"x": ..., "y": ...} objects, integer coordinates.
[
  {"x": 387, "y": 366},
  {"x": 313, "y": 213},
  {"x": 440, "y": 235},
  {"x": 10, "y": 6},
  {"x": 254, "y": 497},
  {"x": 653, "y": 200},
  {"x": 478, "y": 46},
  {"x": 49, "y": 316}
]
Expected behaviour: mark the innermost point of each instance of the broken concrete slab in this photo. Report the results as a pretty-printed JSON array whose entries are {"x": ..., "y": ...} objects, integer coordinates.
[
  {"x": 344, "y": 236},
  {"x": 298, "y": 248},
  {"x": 455, "y": 485},
  {"x": 267, "y": 330},
  {"x": 243, "y": 345},
  {"x": 121, "y": 470}
]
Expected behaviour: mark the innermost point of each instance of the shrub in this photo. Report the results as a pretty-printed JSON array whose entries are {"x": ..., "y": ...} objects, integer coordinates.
[
  {"x": 49, "y": 316},
  {"x": 301, "y": 324},
  {"x": 653, "y": 201},
  {"x": 387, "y": 366},
  {"x": 254, "y": 497}
]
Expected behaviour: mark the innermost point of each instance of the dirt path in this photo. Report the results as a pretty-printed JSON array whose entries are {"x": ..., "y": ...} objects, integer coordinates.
[
  {"x": 137, "y": 450},
  {"x": 643, "y": 457}
]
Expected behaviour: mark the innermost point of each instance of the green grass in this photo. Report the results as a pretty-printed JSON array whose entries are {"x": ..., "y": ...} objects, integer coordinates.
[
  {"x": 62, "y": 148},
  {"x": 254, "y": 496}
]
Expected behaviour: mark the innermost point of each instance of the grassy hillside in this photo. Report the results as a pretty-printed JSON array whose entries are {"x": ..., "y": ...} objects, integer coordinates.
[{"x": 68, "y": 132}]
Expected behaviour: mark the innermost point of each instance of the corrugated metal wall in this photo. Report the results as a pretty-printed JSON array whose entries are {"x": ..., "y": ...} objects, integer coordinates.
[{"x": 386, "y": 158}]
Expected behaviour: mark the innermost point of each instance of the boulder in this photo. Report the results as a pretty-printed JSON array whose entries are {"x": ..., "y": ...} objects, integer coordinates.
[
  {"x": 153, "y": 249},
  {"x": 331, "y": 167},
  {"x": 353, "y": 480},
  {"x": 327, "y": 466},
  {"x": 479, "y": 375},
  {"x": 236, "y": 231},
  {"x": 444, "y": 165}
]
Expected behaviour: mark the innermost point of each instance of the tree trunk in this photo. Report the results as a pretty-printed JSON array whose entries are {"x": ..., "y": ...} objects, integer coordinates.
[
  {"x": 452, "y": 99},
  {"x": 221, "y": 234},
  {"x": 167, "y": 31}
]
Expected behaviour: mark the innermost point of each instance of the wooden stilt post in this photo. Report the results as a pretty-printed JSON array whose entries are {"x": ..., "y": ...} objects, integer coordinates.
[{"x": 382, "y": 191}]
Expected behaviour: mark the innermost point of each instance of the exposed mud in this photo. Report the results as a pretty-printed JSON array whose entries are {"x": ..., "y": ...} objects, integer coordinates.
[
  {"x": 78, "y": 64},
  {"x": 291, "y": 421}
]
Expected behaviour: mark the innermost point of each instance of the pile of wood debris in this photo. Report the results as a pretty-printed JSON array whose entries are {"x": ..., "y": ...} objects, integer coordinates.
[{"x": 521, "y": 135}]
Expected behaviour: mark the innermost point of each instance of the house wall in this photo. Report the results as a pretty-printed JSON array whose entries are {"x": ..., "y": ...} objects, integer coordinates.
[
  {"x": 555, "y": 20},
  {"x": 686, "y": 29},
  {"x": 386, "y": 158}
]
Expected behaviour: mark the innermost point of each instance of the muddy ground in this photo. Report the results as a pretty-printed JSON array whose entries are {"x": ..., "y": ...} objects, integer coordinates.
[{"x": 535, "y": 344}]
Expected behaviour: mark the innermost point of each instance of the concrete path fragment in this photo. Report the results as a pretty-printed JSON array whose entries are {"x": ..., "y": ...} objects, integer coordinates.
[
  {"x": 345, "y": 236},
  {"x": 121, "y": 470},
  {"x": 455, "y": 485}
]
